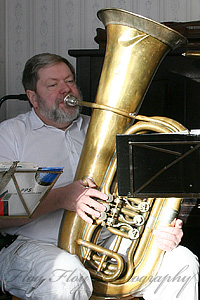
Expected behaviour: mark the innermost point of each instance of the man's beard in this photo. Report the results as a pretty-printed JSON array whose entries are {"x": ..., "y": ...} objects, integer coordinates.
[{"x": 56, "y": 114}]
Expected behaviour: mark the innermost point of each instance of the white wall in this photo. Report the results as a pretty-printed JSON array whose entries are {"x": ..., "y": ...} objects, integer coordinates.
[{"x": 28, "y": 27}]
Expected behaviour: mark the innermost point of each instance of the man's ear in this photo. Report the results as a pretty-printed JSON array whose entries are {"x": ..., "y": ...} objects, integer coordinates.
[{"x": 32, "y": 98}]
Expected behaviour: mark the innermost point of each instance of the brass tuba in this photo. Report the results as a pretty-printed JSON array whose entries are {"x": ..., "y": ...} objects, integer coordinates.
[{"x": 135, "y": 48}]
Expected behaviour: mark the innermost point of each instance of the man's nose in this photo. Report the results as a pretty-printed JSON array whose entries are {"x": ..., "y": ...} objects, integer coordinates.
[{"x": 64, "y": 87}]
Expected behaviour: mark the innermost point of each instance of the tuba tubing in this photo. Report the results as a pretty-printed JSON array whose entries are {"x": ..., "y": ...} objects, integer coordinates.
[{"x": 135, "y": 48}]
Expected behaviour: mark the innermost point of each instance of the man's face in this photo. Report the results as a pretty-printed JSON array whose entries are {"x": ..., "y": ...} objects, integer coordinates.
[{"x": 54, "y": 84}]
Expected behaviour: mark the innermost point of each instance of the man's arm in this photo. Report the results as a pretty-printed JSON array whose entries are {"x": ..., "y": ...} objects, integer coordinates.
[{"x": 73, "y": 197}]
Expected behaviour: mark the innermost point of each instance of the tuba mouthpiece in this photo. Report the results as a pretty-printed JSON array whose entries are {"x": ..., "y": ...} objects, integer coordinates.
[{"x": 71, "y": 100}]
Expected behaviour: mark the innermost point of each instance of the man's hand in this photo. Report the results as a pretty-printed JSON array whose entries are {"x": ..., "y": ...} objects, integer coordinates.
[
  {"x": 168, "y": 237},
  {"x": 73, "y": 197},
  {"x": 79, "y": 198}
]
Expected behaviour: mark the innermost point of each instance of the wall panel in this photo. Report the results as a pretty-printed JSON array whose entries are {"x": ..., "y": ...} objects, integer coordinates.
[{"x": 2, "y": 57}]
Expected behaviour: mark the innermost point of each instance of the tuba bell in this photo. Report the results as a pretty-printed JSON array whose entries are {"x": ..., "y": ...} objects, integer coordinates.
[{"x": 135, "y": 48}]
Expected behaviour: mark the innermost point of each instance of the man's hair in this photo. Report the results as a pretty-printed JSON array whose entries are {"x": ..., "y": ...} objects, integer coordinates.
[{"x": 35, "y": 63}]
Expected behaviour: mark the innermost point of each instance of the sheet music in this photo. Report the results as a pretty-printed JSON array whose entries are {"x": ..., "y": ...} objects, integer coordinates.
[{"x": 23, "y": 186}]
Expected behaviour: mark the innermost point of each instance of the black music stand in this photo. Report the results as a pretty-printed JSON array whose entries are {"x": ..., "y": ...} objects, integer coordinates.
[{"x": 158, "y": 165}]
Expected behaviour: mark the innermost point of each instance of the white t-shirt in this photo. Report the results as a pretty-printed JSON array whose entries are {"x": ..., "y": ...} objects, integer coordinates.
[{"x": 26, "y": 138}]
